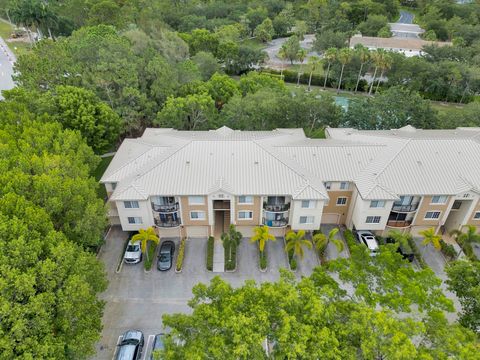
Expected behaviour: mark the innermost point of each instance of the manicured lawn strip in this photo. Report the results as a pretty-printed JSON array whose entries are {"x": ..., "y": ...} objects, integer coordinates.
[
  {"x": 180, "y": 256},
  {"x": 210, "y": 253},
  {"x": 151, "y": 250},
  {"x": 102, "y": 193}
]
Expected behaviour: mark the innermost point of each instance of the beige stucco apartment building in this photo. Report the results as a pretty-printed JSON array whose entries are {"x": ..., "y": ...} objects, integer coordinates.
[{"x": 197, "y": 183}]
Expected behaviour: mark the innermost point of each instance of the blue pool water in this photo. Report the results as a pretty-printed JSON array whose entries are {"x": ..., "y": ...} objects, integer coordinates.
[{"x": 342, "y": 101}]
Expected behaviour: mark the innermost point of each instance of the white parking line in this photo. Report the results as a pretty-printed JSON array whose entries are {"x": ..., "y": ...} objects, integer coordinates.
[
  {"x": 116, "y": 346},
  {"x": 146, "y": 346}
]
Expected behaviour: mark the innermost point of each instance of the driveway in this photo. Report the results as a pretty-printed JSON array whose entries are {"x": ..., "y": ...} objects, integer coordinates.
[
  {"x": 433, "y": 258},
  {"x": 309, "y": 262},
  {"x": 406, "y": 17},
  {"x": 7, "y": 59},
  {"x": 137, "y": 300}
]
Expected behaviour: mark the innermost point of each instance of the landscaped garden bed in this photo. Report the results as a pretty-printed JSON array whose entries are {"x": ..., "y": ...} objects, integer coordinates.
[
  {"x": 180, "y": 256},
  {"x": 209, "y": 261}
]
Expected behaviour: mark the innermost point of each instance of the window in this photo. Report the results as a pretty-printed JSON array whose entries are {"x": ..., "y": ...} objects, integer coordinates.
[
  {"x": 307, "y": 219},
  {"x": 344, "y": 186},
  {"x": 308, "y": 204},
  {"x": 245, "y": 215},
  {"x": 457, "y": 204},
  {"x": 476, "y": 216},
  {"x": 377, "y": 204},
  {"x": 195, "y": 200},
  {"x": 328, "y": 185},
  {"x": 439, "y": 199},
  {"x": 432, "y": 215},
  {"x": 135, "y": 220},
  {"x": 341, "y": 201},
  {"x": 245, "y": 199},
  {"x": 373, "y": 219},
  {"x": 197, "y": 215},
  {"x": 131, "y": 204}
]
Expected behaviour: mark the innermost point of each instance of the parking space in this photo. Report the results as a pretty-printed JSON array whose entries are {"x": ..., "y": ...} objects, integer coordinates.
[
  {"x": 277, "y": 257},
  {"x": 331, "y": 253},
  {"x": 432, "y": 257},
  {"x": 310, "y": 260}
]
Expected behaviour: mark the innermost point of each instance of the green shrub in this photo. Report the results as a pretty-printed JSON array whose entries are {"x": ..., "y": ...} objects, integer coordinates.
[
  {"x": 263, "y": 259},
  {"x": 416, "y": 252},
  {"x": 448, "y": 250},
  {"x": 210, "y": 253},
  {"x": 350, "y": 239},
  {"x": 151, "y": 248},
  {"x": 292, "y": 260},
  {"x": 180, "y": 256},
  {"x": 230, "y": 264},
  {"x": 468, "y": 250},
  {"x": 123, "y": 253}
]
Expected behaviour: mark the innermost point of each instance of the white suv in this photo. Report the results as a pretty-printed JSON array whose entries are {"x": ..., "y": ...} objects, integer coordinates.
[
  {"x": 368, "y": 239},
  {"x": 133, "y": 253}
]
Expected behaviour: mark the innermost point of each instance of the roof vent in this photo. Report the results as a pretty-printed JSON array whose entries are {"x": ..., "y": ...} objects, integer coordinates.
[
  {"x": 256, "y": 162},
  {"x": 314, "y": 154},
  {"x": 188, "y": 162},
  {"x": 419, "y": 163}
]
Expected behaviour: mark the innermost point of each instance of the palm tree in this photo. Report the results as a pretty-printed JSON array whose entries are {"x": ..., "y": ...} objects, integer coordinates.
[
  {"x": 282, "y": 55},
  {"x": 321, "y": 241},
  {"x": 330, "y": 55},
  {"x": 261, "y": 236},
  {"x": 313, "y": 62},
  {"x": 344, "y": 56},
  {"x": 385, "y": 64},
  {"x": 377, "y": 57},
  {"x": 301, "y": 55},
  {"x": 364, "y": 55},
  {"x": 144, "y": 236},
  {"x": 466, "y": 239},
  {"x": 231, "y": 239},
  {"x": 429, "y": 237},
  {"x": 296, "y": 241}
]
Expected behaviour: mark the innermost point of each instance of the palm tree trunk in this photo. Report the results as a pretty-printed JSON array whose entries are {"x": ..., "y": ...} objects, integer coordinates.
[
  {"x": 326, "y": 77},
  {"x": 310, "y": 80},
  {"x": 341, "y": 76},
  {"x": 373, "y": 81},
  {"x": 358, "y": 79},
  {"x": 378, "y": 83}
]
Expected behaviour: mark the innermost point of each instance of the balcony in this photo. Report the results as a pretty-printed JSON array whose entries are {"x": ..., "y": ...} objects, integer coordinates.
[
  {"x": 170, "y": 208},
  {"x": 167, "y": 223},
  {"x": 399, "y": 223},
  {"x": 278, "y": 223},
  {"x": 276, "y": 207},
  {"x": 405, "y": 208}
]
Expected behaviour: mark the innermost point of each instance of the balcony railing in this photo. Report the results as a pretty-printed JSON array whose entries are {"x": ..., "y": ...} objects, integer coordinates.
[
  {"x": 276, "y": 223},
  {"x": 165, "y": 208},
  {"x": 405, "y": 208},
  {"x": 399, "y": 223},
  {"x": 167, "y": 223},
  {"x": 276, "y": 207}
]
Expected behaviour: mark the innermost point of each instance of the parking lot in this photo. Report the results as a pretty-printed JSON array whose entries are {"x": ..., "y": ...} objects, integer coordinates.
[{"x": 136, "y": 299}]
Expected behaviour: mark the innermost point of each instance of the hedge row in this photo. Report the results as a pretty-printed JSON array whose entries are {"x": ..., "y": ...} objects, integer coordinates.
[{"x": 210, "y": 243}]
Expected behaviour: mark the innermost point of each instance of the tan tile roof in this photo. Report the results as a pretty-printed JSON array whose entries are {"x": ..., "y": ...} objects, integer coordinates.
[{"x": 394, "y": 42}]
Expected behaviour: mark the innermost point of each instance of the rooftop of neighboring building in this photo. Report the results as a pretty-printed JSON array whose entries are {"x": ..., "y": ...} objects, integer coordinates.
[{"x": 401, "y": 43}]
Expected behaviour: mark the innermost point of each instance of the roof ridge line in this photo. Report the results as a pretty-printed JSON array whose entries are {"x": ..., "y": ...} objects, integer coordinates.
[{"x": 392, "y": 158}]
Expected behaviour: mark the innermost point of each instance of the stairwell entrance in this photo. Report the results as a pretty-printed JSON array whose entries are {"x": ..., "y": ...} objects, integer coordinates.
[{"x": 222, "y": 217}]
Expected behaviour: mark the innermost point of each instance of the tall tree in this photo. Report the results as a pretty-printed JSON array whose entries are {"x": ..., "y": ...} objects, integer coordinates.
[
  {"x": 330, "y": 56},
  {"x": 291, "y": 47},
  {"x": 344, "y": 57},
  {"x": 364, "y": 55},
  {"x": 261, "y": 236},
  {"x": 431, "y": 238},
  {"x": 384, "y": 64},
  {"x": 313, "y": 63},
  {"x": 296, "y": 241},
  {"x": 321, "y": 241},
  {"x": 302, "y": 54},
  {"x": 467, "y": 239},
  {"x": 264, "y": 31},
  {"x": 145, "y": 237}
]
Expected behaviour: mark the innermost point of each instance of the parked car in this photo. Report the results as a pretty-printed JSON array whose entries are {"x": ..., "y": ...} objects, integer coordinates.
[
  {"x": 165, "y": 255},
  {"x": 157, "y": 344},
  {"x": 130, "y": 348},
  {"x": 133, "y": 253},
  {"x": 368, "y": 239},
  {"x": 405, "y": 251}
]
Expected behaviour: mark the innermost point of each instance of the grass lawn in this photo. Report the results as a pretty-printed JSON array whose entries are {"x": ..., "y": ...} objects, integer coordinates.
[
  {"x": 102, "y": 193},
  {"x": 17, "y": 47},
  {"x": 446, "y": 108},
  {"x": 297, "y": 67}
]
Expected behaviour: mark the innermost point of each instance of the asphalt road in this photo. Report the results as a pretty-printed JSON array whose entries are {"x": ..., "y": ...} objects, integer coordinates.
[
  {"x": 273, "y": 47},
  {"x": 405, "y": 17},
  {"x": 7, "y": 59}
]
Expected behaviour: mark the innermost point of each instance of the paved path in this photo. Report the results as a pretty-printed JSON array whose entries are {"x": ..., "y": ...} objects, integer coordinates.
[
  {"x": 273, "y": 47},
  {"x": 218, "y": 256},
  {"x": 7, "y": 59},
  {"x": 406, "y": 17}
]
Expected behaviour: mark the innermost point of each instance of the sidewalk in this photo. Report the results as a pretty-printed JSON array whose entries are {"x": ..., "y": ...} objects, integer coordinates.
[{"x": 218, "y": 256}]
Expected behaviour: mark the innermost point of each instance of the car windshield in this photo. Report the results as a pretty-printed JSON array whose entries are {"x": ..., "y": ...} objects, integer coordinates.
[
  {"x": 132, "y": 248},
  {"x": 164, "y": 257}
]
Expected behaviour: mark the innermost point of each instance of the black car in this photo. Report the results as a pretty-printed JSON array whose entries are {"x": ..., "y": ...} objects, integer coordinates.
[
  {"x": 131, "y": 345},
  {"x": 157, "y": 344},
  {"x": 405, "y": 251},
  {"x": 165, "y": 255}
]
